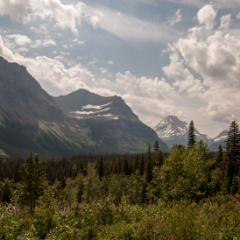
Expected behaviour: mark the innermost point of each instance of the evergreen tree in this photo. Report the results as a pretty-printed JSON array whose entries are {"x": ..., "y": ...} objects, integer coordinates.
[
  {"x": 156, "y": 146},
  {"x": 6, "y": 191},
  {"x": 233, "y": 143},
  {"x": 33, "y": 177},
  {"x": 233, "y": 151},
  {"x": 125, "y": 165},
  {"x": 136, "y": 164},
  {"x": 148, "y": 164},
  {"x": 219, "y": 154},
  {"x": 80, "y": 187},
  {"x": 141, "y": 167},
  {"x": 191, "y": 135},
  {"x": 158, "y": 156},
  {"x": 100, "y": 168}
]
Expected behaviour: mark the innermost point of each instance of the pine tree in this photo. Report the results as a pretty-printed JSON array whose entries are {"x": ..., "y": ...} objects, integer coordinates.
[
  {"x": 233, "y": 151},
  {"x": 156, "y": 146},
  {"x": 148, "y": 165},
  {"x": 100, "y": 168},
  {"x": 233, "y": 143},
  {"x": 141, "y": 167},
  {"x": 125, "y": 165},
  {"x": 80, "y": 187},
  {"x": 33, "y": 177},
  {"x": 6, "y": 193},
  {"x": 219, "y": 155},
  {"x": 191, "y": 135},
  {"x": 158, "y": 156}
]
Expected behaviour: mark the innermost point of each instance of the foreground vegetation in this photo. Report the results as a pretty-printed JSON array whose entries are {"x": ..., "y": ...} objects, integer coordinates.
[{"x": 190, "y": 193}]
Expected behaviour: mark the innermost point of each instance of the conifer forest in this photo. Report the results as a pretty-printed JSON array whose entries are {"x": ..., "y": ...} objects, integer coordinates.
[{"x": 189, "y": 193}]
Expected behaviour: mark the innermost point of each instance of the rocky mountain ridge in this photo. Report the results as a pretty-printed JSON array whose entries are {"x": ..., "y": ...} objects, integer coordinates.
[{"x": 174, "y": 131}]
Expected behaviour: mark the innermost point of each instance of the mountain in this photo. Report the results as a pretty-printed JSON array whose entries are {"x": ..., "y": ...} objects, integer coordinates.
[
  {"x": 111, "y": 120},
  {"x": 220, "y": 139},
  {"x": 82, "y": 103},
  {"x": 30, "y": 120},
  {"x": 174, "y": 131}
]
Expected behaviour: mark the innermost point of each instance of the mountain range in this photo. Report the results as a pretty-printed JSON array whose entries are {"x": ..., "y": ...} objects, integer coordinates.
[
  {"x": 81, "y": 122},
  {"x": 174, "y": 131}
]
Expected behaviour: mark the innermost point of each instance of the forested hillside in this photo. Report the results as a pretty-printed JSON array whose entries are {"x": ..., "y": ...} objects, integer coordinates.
[{"x": 190, "y": 193}]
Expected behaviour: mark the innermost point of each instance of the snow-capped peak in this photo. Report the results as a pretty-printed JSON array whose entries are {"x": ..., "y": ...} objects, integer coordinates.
[{"x": 174, "y": 131}]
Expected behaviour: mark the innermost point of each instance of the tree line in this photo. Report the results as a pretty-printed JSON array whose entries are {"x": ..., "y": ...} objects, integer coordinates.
[{"x": 128, "y": 196}]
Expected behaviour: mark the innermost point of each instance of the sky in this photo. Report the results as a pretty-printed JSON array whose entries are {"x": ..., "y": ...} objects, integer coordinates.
[{"x": 163, "y": 57}]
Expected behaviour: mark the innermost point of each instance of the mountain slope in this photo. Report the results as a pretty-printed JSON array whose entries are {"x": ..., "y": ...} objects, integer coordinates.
[
  {"x": 174, "y": 131},
  {"x": 112, "y": 121},
  {"x": 30, "y": 120},
  {"x": 219, "y": 140}
]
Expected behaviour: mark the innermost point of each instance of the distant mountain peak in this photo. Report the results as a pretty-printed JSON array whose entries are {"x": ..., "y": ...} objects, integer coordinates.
[
  {"x": 83, "y": 103},
  {"x": 175, "y": 131},
  {"x": 171, "y": 126}
]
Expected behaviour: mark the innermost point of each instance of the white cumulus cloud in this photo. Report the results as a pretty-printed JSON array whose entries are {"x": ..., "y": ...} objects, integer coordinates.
[
  {"x": 214, "y": 56},
  {"x": 225, "y": 21},
  {"x": 64, "y": 16},
  {"x": 20, "y": 39},
  {"x": 15, "y": 9},
  {"x": 207, "y": 15}
]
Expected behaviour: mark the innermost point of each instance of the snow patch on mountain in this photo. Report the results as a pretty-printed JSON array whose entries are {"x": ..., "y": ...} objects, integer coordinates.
[
  {"x": 174, "y": 131},
  {"x": 89, "y": 106},
  {"x": 221, "y": 137},
  {"x": 89, "y": 112}
]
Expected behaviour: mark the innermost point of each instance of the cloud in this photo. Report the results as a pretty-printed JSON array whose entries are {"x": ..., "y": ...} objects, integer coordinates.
[
  {"x": 225, "y": 21},
  {"x": 182, "y": 77},
  {"x": 76, "y": 40},
  {"x": 20, "y": 39},
  {"x": 151, "y": 99},
  {"x": 65, "y": 16},
  {"x": 94, "y": 20},
  {"x": 43, "y": 43},
  {"x": 70, "y": 17},
  {"x": 111, "y": 62},
  {"x": 214, "y": 57},
  {"x": 238, "y": 16},
  {"x": 6, "y": 52},
  {"x": 176, "y": 18},
  {"x": 15, "y": 9},
  {"x": 51, "y": 73},
  {"x": 207, "y": 15},
  {"x": 127, "y": 27},
  {"x": 103, "y": 70},
  {"x": 220, "y": 4}
]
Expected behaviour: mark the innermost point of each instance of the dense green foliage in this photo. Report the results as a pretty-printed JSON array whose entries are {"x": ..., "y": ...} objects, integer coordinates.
[{"x": 187, "y": 194}]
